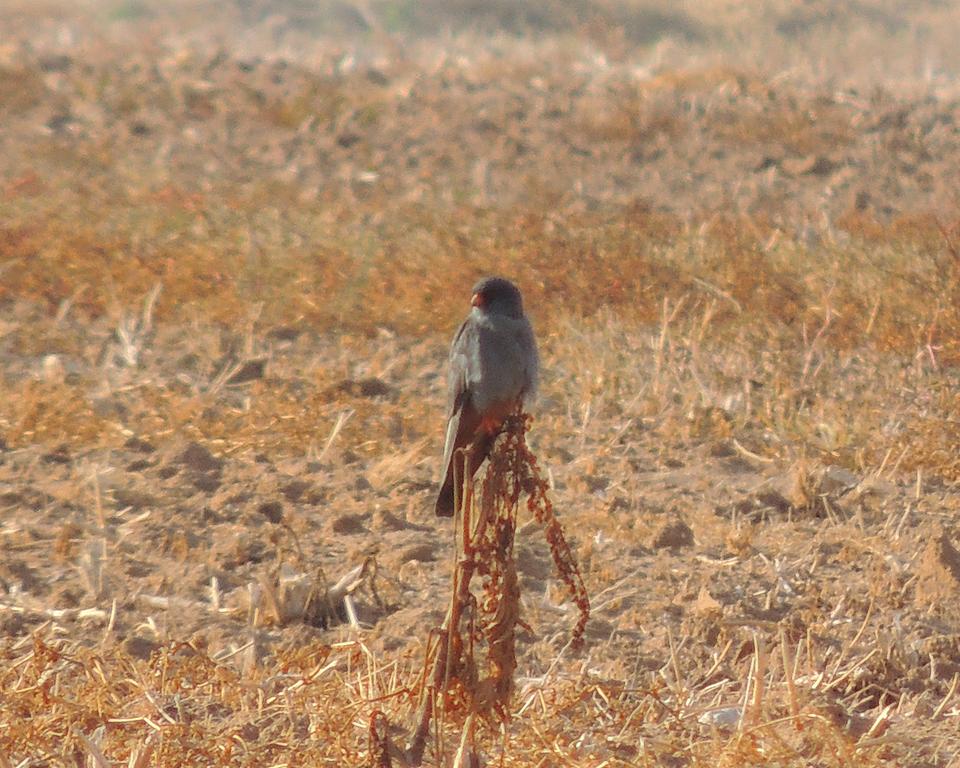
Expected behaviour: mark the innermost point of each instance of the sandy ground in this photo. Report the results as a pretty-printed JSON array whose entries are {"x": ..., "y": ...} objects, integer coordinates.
[{"x": 755, "y": 503}]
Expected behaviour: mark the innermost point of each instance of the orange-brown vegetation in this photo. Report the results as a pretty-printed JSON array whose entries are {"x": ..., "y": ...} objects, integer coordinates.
[{"x": 235, "y": 240}]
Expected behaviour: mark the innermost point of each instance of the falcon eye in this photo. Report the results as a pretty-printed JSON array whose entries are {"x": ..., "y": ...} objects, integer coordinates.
[{"x": 479, "y": 299}]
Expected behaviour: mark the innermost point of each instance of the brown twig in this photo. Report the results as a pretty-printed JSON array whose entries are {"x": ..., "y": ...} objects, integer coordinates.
[{"x": 485, "y": 524}]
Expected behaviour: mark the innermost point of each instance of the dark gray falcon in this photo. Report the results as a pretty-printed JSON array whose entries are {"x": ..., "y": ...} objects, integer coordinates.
[{"x": 493, "y": 368}]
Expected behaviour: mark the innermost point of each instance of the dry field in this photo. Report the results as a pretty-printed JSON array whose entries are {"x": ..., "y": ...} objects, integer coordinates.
[{"x": 235, "y": 239}]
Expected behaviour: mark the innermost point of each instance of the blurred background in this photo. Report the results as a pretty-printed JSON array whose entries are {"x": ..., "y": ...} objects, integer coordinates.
[
  {"x": 285, "y": 151},
  {"x": 235, "y": 240}
]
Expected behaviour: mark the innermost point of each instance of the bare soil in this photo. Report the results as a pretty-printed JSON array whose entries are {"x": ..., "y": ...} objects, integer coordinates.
[{"x": 233, "y": 248}]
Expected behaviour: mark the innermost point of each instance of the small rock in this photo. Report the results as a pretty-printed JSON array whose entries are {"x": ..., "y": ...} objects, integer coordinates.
[
  {"x": 837, "y": 480},
  {"x": 250, "y": 371},
  {"x": 205, "y": 483},
  {"x": 938, "y": 572},
  {"x": 272, "y": 510},
  {"x": 231, "y": 550},
  {"x": 724, "y": 717},
  {"x": 369, "y": 387},
  {"x": 766, "y": 162},
  {"x": 533, "y": 561},
  {"x": 792, "y": 489},
  {"x": 60, "y": 455},
  {"x": 130, "y": 497},
  {"x": 773, "y": 499},
  {"x": 167, "y": 472},
  {"x": 422, "y": 553},
  {"x": 362, "y": 484},
  {"x": 814, "y": 165},
  {"x": 139, "y": 647},
  {"x": 348, "y": 525},
  {"x": 672, "y": 535},
  {"x": 59, "y": 121},
  {"x": 822, "y": 166},
  {"x": 199, "y": 459},
  {"x": 294, "y": 490},
  {"x": 109, "y": 408},
  {"x": 52, "y": 369},
  {"x": 377, "y": 77},
  {"x": 387, "y": 521},
  {"x": 229, "y": 497},
  {"x": 706, "y": 603},
  {"x": 55, "y": 63},
  {"x": 138, "y": 445}
]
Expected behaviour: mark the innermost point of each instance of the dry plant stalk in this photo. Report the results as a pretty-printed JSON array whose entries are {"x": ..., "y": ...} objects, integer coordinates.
[
  {"x": 485, "y": 528},
  {"x": 379, "y": 737}
]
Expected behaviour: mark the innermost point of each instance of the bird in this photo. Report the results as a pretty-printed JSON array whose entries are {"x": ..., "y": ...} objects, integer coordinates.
[{"x": 494, "y": 368}]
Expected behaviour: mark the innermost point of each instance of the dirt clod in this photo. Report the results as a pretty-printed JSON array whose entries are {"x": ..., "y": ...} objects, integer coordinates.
[
  {"x": 234, "y": 248},
  {"x": 938, "y": 570},
  {"x": 272, "y": 510},
  {"x": 199, "y": 459},
  {"x": 675, "y": 534}
]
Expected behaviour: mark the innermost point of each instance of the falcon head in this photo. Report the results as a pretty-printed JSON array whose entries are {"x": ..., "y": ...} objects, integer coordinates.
[{"x": 499, "y": 296}]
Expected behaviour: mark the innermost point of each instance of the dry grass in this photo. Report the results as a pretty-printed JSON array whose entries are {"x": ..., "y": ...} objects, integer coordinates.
[{"x": 228, "y": 277}]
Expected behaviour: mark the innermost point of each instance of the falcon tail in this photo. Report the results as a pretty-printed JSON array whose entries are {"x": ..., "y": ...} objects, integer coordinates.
[{"x": 463, "y": 428}]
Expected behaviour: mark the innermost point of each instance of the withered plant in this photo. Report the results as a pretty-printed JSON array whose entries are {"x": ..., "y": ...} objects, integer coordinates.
[{"x": 474, "y": 659}]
